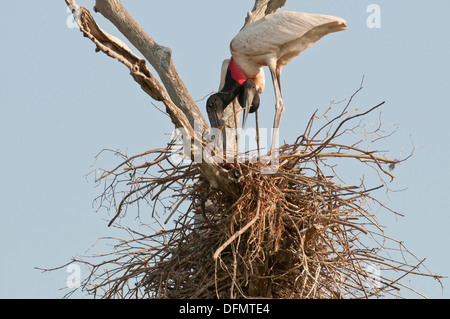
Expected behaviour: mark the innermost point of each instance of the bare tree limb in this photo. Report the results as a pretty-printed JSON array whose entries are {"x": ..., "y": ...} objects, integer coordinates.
[
  {"x": 115, "y": 48},
  {"x": 263, "y": 8},
  {"x": 158, "y": 56},
  {"x": 182, "y": 118}
]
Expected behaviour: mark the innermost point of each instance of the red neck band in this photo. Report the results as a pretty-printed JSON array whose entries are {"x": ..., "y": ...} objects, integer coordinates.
[{"x": 236, "y": 72}]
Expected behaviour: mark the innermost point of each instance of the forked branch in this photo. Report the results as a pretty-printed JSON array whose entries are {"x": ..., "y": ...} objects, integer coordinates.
[
  {"x": 263, "y": 8},
  {"x": 158, "y": 56},
  {"x": 179, "y": 105}
]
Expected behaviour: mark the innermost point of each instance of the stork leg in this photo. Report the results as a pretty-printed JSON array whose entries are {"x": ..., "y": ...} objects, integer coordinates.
[
  {"x": 236, "y": 127},
  {"x": 279, "y": 81},
  {"x": 279, "y": 106},
  {"x": 257, "y": 133}
]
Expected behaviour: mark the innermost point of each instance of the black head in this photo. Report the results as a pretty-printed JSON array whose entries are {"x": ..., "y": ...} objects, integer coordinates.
[
  {"x": 214, "y": 108},
  {"x": 249, "y": 86}
]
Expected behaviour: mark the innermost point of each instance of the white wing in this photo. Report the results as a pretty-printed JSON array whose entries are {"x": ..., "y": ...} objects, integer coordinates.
[
  {"x": 269, "y": 34},
  {"x": 223, "y": 73}
]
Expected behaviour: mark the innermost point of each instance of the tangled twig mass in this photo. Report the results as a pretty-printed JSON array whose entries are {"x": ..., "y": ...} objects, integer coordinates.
[{"x": 298, "y": 233}]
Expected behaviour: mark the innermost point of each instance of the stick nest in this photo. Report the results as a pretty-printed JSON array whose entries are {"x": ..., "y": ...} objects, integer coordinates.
[{"x": 298, "y": 233}]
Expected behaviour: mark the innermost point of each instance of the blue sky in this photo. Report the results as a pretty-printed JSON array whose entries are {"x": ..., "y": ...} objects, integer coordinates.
[{"x": 61, "y": 104}]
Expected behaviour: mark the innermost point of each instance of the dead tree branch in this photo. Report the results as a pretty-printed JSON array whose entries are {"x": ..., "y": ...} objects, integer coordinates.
[
  {"x": 158, "y": 56},
  {"x": 263, "y": 8},
  {"x": 183, "y": 112}
]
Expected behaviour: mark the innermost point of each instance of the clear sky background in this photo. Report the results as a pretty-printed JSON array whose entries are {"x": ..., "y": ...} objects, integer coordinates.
[{"x": 61, "y": 104}]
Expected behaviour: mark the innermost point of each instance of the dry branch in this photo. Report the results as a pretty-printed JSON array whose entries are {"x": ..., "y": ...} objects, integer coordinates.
[
  {"x": 263, "y": 8},
  {"x": 115, "y": 48},
  {"x": 183, "y": 113},
  {"x": 157, "y": 55}
]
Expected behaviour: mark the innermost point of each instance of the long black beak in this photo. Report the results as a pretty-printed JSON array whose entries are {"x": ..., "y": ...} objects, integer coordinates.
[{"x": 249, "y": 95}]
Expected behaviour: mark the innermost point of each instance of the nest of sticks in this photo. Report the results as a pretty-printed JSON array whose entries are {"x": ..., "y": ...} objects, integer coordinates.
[{"x": 298, "y": 233}]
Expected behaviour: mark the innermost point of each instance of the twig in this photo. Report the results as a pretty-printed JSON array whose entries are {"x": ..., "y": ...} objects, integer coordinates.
[{"x": 241, "y": 231}]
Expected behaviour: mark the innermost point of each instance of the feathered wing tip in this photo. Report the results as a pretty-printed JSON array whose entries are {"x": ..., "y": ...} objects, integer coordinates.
[
  {"x": 317, "y": 23},
  {"x": 336, "y": 26},
  {"x": 223, "y": 73},
  {"x": 320, "y": 31},
  {"x": 310, "y": 21}
]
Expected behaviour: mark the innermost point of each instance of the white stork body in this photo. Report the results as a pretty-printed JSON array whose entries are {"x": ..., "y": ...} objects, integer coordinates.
[{"x": 274, "y": 41}]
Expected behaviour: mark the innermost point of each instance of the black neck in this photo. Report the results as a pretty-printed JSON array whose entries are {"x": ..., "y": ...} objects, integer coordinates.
[
  {"x": 230, "y": 83},
  {"x": 230, "y": 90}
]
